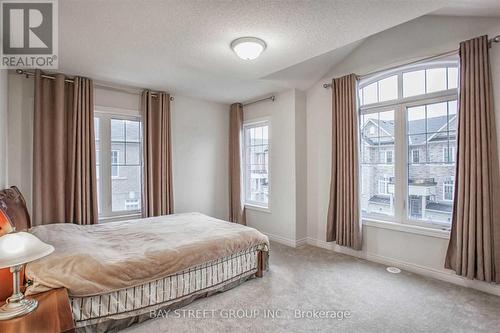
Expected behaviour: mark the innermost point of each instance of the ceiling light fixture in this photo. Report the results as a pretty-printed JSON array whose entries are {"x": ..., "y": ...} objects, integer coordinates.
[{"x": 248, "y": 48}]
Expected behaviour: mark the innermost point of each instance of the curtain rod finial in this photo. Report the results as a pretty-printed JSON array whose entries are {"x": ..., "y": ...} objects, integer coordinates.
[
  {"x": 327, "y": 85},
  {"x": 273, "y": 98},
  {"x": 19, "y": 71}
]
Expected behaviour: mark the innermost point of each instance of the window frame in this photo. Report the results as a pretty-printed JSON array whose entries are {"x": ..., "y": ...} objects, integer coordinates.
[
  {"x": 252, "y": 123},
  {"x": 400, "y": 155},
  {"x": 105, "y": 114}
]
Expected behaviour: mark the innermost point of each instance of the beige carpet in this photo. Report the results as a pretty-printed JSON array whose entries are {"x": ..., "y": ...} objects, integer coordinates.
[{"x": 309, "y": 278}]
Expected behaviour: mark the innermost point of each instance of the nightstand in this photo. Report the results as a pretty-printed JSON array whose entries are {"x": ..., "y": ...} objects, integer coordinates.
[{"x": 53, "y": 314}]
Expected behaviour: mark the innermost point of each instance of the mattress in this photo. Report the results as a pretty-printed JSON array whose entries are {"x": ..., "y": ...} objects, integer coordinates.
[{"x": 101, "y": 259}]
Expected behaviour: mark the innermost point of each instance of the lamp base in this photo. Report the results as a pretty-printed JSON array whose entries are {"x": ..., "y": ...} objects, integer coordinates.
[{"x": 17, "y": 308}]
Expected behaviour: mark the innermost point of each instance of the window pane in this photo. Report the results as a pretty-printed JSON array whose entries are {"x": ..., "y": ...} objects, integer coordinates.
[
  {"x": 117, "y": 130},
  {"x": 133, "y": 153},
  {"x": 452, "y": 115},
  {"x": 437, "y": 116},
  {"x": 431, "y": 162},
  {"x": 117, "y": 153},
  {"x": 452, "y": 77},
  {"x": 125, "y": 165},
  {"x": 436, "y": 79},
  {"x": 377, "y": 158},
  {"x": 97, "y": 134},
  {"x": 388, "y": 88},
  {"x": 256, "y": 165},
  {"x": 413, "y": 83},
  {"x": 370, "y": 94},
  {"x": 425, "y": 193},
  {"x": 126, "y": 189},
  {"x": 97, "y": 131},
  {"x": 377, "y": 190},
  {"x": 416, "y": 120},
  {"x": 133, "y": 131}
]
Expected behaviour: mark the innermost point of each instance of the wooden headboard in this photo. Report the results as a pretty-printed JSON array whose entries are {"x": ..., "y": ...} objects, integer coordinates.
[
  {"x": 13, "y": 214},
  {"x": 13, "y": 204}
]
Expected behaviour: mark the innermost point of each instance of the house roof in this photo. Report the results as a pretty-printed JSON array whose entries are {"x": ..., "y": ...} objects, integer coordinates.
[{"x": 416, "y": 128}]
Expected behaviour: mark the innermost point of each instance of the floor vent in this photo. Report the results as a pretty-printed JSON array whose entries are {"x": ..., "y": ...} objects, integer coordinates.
[{"x": 393, "y": 270}]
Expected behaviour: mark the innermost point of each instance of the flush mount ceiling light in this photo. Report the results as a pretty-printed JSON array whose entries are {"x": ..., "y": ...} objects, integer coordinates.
[{"x": 248, "y": 48}]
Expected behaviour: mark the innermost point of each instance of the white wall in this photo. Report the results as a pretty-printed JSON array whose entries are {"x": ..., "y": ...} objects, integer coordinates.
[
  {"x": 3, "y": 127},
  {"x": 199, "y": 136},
  {"x": 20, "y": 135},
  {"x": 423, "y": 37},
  {"x": 287, "y": 175},
  {"x": 300, "y": 166}
]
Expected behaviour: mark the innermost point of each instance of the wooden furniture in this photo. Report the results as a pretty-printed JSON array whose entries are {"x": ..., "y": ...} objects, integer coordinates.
[
  {"x": 52, "y": 315},
  {"x": 13, "y": 205}
]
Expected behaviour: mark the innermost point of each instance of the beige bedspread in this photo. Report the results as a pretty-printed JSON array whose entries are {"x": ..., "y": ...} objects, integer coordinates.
[{"x": 95, "y": 259}]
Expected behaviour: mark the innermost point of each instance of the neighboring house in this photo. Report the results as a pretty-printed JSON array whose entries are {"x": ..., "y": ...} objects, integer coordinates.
[
  {"x": 257, "y": 167},
  {"x": 431, "y": 156},
  {"x": 126, "y": 170}
]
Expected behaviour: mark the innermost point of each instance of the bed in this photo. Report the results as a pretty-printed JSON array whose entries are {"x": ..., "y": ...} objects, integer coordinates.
[{"x": 117, "y": 273}]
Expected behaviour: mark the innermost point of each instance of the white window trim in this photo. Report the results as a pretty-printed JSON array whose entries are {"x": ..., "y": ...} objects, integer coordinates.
[
  {"x": 105, "y": 114},
  {"x": 255, "y": 122},
  {"x": 399, "y": 107}
]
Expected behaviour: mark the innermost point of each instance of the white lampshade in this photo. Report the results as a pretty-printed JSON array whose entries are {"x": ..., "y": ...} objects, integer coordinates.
[{"x": 21, "y": 247}]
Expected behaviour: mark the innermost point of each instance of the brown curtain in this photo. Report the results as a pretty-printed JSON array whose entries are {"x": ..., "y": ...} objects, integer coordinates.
[
  {"x": 64, "y": 176},
  {"x": 158, "y": 198},
  {"x": 236, "y": 206},
  {"x": 344, "y": 224},
  {"x": 474, "y": 248}
]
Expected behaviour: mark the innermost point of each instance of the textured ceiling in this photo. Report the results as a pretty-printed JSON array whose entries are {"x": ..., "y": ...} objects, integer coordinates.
[{"x": 183, "y": 46}]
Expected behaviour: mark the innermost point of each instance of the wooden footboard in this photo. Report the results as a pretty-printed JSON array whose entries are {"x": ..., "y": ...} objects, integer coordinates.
[{"x": 260, "y": 264}]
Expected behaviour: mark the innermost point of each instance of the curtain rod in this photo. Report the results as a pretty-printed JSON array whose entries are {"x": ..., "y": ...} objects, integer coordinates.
[
  {"x": 272, "y": 98},
  {"x": 134, "y": 91},
  {"x": 495, "y": 39}
]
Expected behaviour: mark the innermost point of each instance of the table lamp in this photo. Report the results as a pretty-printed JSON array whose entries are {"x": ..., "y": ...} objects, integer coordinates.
[{"x": 16, "y": 249}]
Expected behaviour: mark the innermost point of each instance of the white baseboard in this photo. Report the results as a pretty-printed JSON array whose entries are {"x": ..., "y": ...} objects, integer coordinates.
[
  {"x": 443, "y": 275},
  {"x": 286, "y": 241}
]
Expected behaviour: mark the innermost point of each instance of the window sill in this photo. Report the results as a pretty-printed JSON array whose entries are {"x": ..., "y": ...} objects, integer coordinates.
[
  {"x": 258, "y": 208},
  {"x": 431, "y": 232},
  {"x": 123, "y": 217}
]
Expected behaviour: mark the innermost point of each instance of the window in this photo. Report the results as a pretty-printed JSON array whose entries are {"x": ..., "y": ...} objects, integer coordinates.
[
  {"x": 408, "y": 120},
  {"x": 115, "y": 157},
  {"x": 415, "y": 156},
  {"x": 448, "y": 154},
  {"x": 448, "y": 190},
  {"x": 388, "y": 156},
  {"x": 383, "y": 185},
  {"x": 132, "y": 204},
  {"x": 256, "y": 164},
  {"x": 119, "y": 164}
]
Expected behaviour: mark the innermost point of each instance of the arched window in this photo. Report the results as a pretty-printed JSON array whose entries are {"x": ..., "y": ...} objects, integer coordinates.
[{"x": 410, "y": 111}]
